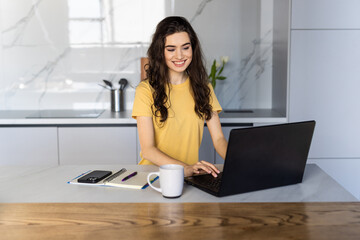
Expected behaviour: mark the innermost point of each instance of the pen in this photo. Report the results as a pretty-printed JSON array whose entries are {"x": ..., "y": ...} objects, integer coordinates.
[
  {"x": 115, "y": 175},
  {"x": 129, "y": 176},
  {"x": 151, "y": 181}
]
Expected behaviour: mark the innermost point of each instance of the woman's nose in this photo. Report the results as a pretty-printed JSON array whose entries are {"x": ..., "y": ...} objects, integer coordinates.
[{"x": 178, "y": 54}]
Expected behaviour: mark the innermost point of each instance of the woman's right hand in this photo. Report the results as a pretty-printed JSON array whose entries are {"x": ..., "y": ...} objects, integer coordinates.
[{"x": 201, "y": 167}]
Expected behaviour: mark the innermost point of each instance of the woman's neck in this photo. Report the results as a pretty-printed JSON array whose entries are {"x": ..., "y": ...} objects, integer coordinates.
[{"x": 178, "y": 78}]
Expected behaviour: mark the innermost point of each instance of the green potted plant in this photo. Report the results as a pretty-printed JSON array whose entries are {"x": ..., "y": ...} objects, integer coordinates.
[{"x": 217, "y": 69}]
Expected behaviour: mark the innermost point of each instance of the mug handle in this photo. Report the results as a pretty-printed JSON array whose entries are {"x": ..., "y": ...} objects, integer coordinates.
[{"x": 149, "y": 182}]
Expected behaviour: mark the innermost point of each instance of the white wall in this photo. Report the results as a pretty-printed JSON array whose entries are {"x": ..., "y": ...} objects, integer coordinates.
[
  {"x": 324, "y": 83},
  {"x": 50, "y": 60}
]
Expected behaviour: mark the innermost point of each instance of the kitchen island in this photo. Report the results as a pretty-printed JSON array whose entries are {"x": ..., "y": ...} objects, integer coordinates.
[
  {"x": 38, "y": 203},
  {"x": 31, "y": 184}
]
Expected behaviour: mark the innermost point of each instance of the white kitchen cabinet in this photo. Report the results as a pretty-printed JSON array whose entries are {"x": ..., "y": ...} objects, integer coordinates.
[
  {"x": 324, "y": 86},
  {"x": 28, "y": 146},
  {"x": 324, "y": 83},
  {"x": 97, "y": 145},
  {"x": 325, "y": 14}
]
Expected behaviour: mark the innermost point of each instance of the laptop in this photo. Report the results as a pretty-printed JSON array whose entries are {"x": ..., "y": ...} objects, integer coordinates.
[{"x": 260, "y": 158}]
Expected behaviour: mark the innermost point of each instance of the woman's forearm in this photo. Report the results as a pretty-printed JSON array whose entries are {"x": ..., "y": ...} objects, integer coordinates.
[
  {"x": 157, "y": 157},
  {"x": 220, "y": 146}
]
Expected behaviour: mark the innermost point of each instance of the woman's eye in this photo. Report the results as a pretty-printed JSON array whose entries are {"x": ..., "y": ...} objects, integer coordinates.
[
  {"x": 186, "y": 48},
  {"x": 171, "y": 50}
]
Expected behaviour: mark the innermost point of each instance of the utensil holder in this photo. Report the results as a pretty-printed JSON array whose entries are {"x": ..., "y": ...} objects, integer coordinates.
[{"x": 117, "y": 100}]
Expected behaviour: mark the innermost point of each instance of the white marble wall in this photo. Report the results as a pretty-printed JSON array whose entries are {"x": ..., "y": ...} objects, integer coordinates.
[{"x": 54, "y": 53}]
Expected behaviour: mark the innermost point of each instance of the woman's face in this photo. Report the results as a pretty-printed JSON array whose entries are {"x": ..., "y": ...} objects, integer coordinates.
[{"x": 178, "y": 52}]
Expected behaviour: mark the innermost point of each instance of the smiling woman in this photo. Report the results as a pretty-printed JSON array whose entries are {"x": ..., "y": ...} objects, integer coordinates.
[
  {"x": 178, "y": 56},
  {"x": 175, "y": 99}
]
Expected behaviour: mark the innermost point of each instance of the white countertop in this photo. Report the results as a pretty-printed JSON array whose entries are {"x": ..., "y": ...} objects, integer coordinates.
[
  {"x": 26, "y": 184},
  {"x": 19, "y": 117}
]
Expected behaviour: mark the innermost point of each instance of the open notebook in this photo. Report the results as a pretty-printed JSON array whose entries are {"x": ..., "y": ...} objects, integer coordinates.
[{"x": 139, "y": 181}]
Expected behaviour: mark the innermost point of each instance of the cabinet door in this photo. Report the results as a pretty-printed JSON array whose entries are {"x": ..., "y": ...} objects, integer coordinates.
[
  {"x": 324, "y": 86},
  {"x": 207, "y": 151},
  {"x": 28, "y": 146},
  {"x": 97, "y": 145},
  {"x": 325, "y": 14}
]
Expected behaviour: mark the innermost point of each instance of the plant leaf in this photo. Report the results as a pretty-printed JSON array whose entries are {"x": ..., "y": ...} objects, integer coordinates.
[
  {"x": 213, "y": 70},
  {"x": 221, "y": 69},
  {"x": 221, "y": 77}
]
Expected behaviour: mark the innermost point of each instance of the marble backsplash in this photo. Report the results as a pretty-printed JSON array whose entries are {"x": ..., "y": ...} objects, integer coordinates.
[{"x": 54, "y": 53}]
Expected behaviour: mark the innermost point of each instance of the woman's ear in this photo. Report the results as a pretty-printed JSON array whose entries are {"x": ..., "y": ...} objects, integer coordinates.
[{"x": 143, "y": 62}]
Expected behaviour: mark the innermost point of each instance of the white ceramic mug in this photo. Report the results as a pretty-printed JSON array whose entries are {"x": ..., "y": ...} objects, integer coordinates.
[{"x": 171, "y": 180}]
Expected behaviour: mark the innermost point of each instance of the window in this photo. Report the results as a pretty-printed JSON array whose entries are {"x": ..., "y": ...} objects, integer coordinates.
[{"x": 98, "y": 22}]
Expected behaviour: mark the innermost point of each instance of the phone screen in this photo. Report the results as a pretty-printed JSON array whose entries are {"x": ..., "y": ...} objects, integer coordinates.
[{"x": 94, "y": 176}]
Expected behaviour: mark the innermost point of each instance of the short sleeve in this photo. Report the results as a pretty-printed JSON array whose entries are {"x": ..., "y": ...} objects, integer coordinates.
[
  {"x": 214, "y": 101},
  {"x": 143, "y": 100}
]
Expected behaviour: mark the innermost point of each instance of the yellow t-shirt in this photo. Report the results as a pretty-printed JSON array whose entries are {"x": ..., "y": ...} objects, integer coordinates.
[{"x": 181, "y": 134}]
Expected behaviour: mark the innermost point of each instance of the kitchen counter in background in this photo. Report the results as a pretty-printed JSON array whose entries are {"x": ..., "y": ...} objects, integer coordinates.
[
  {"x": 94, "y": 137},
  {"x": 21, "y": 117}
]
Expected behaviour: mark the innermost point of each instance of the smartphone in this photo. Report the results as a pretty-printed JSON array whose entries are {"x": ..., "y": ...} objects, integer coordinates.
[{"x": 94, "y": 176}]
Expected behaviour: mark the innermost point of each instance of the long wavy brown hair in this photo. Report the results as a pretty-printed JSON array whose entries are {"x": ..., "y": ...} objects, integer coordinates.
[{"x": 158, "y": 75}]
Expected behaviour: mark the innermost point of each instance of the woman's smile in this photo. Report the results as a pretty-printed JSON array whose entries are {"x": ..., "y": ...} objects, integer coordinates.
[{"x": 179, "y": 63}]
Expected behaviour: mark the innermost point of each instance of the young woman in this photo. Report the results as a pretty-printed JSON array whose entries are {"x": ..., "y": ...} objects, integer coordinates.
[{"x": 175, "y": 99}]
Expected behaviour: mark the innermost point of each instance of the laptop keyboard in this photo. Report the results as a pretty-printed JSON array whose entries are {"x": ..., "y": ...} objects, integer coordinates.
[{"x": 209, "y": 182}]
